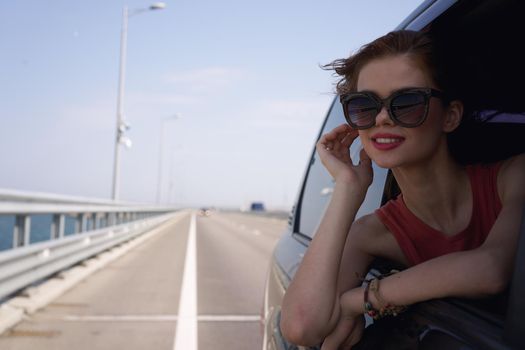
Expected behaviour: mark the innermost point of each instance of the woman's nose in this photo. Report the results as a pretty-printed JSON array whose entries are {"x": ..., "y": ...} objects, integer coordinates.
[{"x": 383, "y": 118}]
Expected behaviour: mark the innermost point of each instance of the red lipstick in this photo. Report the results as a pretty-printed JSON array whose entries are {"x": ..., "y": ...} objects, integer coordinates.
[{"x": 385, "y": 142}]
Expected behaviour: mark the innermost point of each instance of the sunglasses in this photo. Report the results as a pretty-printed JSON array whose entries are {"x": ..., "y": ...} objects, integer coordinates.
[{"x": 406, "y": 107}]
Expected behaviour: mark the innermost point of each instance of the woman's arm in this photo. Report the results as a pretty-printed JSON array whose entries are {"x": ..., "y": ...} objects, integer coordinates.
[
  {"x": 480, "y": 272},
  {"x": 311, "y": 305}
]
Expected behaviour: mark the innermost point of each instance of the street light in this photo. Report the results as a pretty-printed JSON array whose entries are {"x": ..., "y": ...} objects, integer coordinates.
[
  {"x": 161, "y": 147},
  {"x": 157, "y": 6},
  {"x": 122, "y": 126}
]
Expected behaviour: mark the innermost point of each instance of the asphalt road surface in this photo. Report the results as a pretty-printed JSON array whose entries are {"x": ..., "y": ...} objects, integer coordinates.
[{"x": 197, "y": 284}]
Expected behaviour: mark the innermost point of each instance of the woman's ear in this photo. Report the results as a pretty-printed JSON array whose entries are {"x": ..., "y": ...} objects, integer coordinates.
[{"x": 453, "y": 116}]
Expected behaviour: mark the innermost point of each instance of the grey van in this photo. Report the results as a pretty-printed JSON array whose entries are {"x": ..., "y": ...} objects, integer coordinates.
[{"x": 482, "y": 39}]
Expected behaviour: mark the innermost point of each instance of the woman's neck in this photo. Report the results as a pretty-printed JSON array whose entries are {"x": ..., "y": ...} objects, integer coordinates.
[{"x": 438, "y": 192}]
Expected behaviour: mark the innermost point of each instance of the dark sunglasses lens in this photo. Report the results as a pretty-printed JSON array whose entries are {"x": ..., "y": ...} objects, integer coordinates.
[
  {"x": 409, "y": 108},
  {"x": 361, "y": 111}
]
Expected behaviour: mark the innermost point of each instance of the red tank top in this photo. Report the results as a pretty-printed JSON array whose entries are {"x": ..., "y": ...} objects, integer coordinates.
[{"x": 420, "y": 242}]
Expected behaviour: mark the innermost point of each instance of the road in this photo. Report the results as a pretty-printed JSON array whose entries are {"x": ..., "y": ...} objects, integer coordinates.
[{"x": 197, "y": 284}]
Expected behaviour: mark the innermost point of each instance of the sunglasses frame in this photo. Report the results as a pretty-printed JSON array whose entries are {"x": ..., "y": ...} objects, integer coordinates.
[{"x": 427, "y": 93}]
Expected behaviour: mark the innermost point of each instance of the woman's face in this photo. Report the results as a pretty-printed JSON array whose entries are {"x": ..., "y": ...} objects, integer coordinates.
[{"x": 391, "y": 145}]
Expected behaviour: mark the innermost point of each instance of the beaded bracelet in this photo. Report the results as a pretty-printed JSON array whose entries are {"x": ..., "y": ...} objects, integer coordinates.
[{"x": 385, "y": 309}]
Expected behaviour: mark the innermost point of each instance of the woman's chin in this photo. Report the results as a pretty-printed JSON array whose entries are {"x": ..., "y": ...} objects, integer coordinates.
[
  {"x": 382, "y": 159},
  {"x": 385, "y": 163}
]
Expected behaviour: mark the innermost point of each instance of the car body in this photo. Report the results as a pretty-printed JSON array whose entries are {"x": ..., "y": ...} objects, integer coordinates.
[
  {"x": 204, "y": 211},
  {"x": 482, "y": 39},
  {"x": 257, "y": 206}
]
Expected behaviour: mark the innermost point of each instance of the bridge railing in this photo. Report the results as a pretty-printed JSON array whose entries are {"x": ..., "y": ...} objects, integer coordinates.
[{"x": 42, "y": 234}]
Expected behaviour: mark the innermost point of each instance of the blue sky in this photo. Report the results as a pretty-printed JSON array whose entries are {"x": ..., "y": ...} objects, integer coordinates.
[{"x": 243, "y": 76}]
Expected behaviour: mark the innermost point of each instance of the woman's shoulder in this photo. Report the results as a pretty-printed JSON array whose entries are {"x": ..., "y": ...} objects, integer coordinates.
[
  {"x": 368, "y": 230},
  {"x": 500, "y": 166},
  {"x": 372, "y": 236},
  {"x": 511, "y": 178},
  {"x": 515, "y": 163},
  {"x": 370, "y": 224}
]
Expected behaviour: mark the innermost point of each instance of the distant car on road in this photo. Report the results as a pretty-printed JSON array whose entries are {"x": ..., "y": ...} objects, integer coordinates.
[
  {"x": 204, "y": 211},
  {"x": 257, "y": 206}
]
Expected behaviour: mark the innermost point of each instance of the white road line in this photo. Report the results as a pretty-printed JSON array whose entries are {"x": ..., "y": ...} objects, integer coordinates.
[
  {"x": 186, "y": 332},
  {"x": 156, "y": 318},
  {"x": 229, "y": 318},
  {"x": 121, "y": 318}
]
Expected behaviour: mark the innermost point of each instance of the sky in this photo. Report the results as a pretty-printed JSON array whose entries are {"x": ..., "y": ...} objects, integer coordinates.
[{"x": 234, "y": 87}]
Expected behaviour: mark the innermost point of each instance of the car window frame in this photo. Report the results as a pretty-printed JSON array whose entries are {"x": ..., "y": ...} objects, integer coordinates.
[{"x": 299, "y": 202}]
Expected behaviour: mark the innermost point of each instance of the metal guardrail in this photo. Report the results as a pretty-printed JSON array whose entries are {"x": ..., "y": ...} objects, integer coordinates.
[
  {"x": 98, "y": 226},
  {"x": 77, "y": 213}
]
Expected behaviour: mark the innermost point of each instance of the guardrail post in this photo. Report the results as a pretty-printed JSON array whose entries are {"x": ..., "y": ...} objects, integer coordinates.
[
  {"x": 90, "y": 221},
  {"x": 97, "y": 219},
  {"x": 57, "y": 226},
  {"x": 78, "y": 227},
  {"x": 81, "y": 222},
  {"x": 21, "y": 230},
  {"x": 109, "y": 219}
]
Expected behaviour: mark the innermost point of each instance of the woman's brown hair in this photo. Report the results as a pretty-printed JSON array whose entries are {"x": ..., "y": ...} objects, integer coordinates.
[{"x": 417, "y": 45}]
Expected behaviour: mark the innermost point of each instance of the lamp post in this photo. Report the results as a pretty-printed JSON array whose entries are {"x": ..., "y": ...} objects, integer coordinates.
[
  {"x": 122, "y": 126},
  {"x": 161, "y": 153}
]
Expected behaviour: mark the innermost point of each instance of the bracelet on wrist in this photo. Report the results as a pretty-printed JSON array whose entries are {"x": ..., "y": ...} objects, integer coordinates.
[{"x": 385, "y": 309}]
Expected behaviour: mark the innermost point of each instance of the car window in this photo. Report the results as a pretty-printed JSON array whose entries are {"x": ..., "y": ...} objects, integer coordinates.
[{"x": 319, "y": 184}]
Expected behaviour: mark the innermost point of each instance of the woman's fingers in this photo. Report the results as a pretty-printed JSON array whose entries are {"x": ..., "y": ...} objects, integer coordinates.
[
  {"x": 339, "y": 138},
  {"x": 337, "y": 131},
  {"x": 338, "y": 336},
  {"x": 355, "y": 335},
  {"x": 347, "y": 140},
  {"x": 336, "y": 134},
  {"x": 351, "y": 340}
]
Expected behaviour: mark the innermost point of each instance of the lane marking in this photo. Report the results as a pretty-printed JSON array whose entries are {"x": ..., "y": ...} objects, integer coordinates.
[
  {"x": 229, "y": 318},
  {"x": 121, "y": 318},
  {"x": 186, "y": 331},
  {"x": 156, "y": 318}
]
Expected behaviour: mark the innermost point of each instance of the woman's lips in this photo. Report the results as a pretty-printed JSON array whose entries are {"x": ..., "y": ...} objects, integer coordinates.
[{"x": 385, "y": 142}]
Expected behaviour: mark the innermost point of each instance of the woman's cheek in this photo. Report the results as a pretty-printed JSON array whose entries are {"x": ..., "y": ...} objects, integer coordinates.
[{"x": 367, "y": 145}]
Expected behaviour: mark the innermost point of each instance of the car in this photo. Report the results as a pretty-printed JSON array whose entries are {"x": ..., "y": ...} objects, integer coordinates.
[
  {"x": 483, "y": 39},
  {"x": 257, "y": 206},
  {"x": 204, "y": 211}
]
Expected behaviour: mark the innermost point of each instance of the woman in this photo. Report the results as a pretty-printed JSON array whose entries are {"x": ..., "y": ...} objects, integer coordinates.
[{"x": 454, "y": 227}]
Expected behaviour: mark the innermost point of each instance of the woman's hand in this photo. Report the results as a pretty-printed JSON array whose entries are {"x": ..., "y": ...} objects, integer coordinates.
[
  {"x": 346, "y": 334},
  {"x": 349, "y": 328},
  {"x": 334, "y": 150}
]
